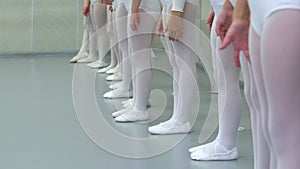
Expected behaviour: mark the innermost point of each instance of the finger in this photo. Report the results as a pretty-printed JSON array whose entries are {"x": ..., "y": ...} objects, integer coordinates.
[
  {"x": 158, "y": 31},
  {"x": 218, "y": 27},
  {"x": 236, "y": 54},
  {"x": 179, "y": 35},
  {"x": 247, "y": 55},
  {"x": 226, "y": 41},
  {"x": 218, "y": 31},
  {"x": 85, "y": 13},
  {"x": 132, "y": 26},
  {"x": 171, "y": 35},
  {"x": 176, "y": 35},
  {"x": 207, "y": 20}
]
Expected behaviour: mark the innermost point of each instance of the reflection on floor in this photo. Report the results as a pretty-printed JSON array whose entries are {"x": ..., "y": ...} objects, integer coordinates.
[{"x": 40, "y": 130}]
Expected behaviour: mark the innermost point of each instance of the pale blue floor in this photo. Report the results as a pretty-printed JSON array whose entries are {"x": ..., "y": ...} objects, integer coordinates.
[{"x": 39, "y": 128}]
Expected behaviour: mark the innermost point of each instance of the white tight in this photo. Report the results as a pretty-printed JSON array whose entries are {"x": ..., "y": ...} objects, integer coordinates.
[
  {"x": 112, "y": 37},
  {"x": 260, "y": 145},
  {"x": 183, "y": 62},
  {"x": 140, "y": 58},
  {"x": 98, "y": 15},
  {"x": 85, "y": 38},
  {"x": 276, "y": 66},
  {"x": 90, "y": 28},
  {"x": 122, "y": 25},
  {"x": 229, "y": 99}
]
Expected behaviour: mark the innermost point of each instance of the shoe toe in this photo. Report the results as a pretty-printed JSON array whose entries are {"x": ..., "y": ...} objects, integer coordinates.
[
  {"x": 122, "y": 118},
  {"x": 194, "y": 149},
  {"x": 108, "y": 94}
]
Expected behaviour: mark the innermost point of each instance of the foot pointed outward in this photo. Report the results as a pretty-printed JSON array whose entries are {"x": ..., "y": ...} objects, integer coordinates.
[
  {"x": 104, "y": 70},
  {"x": 130, "y": 102},
  {"x": 170, "y": 127},
  {"x": 115, "y": 85},
  {"x": 97, "y": 64},
  {"x": 133, "y": 116},
  {"x": 113, "y": 70},
  {"x": 117, "y": 94},
  {"x": 88, "y": 59},
  {"x": 120, "y": 112},
  {"x": 213, "y": 152},
  {"x": 114, "y": 77},
  {"x": 79, "y": 56}
]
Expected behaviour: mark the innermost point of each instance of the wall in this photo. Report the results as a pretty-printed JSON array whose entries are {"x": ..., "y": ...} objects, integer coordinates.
[{"x": 51, "y": 25}]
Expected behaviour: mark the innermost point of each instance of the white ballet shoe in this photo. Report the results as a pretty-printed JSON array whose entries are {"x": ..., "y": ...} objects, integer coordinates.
[
  {"x": 78, "y": 57},
  {"x": 97, "y": 64},
  {"x": 115, "y": 85},
  {"x": 133, "y": 116},
  {"x": 103, "y": 70},
  {"x": 117, "y": 94},
  {"x": 129, "y": 103},
  {"x": 87, "y": 59},
  {"x": 113, "y": 70},
  {"x": 114, "y": 77},
  {"x": 220, "y": 153},
  {"x": 120, "y": 112},
  {"x": 170, "y": 127}
]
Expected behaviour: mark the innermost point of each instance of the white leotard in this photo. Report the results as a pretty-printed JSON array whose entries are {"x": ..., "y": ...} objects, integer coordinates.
[
  {"x": 262, "y": 9},
  {"x": 93, "y": 2},
  {"x": 150, "y": 5},
  {"x": 127, "y": 4},
  {"x": 178, "y": 5},
  {"x": 218, "y": 4},
  {"x": 115, "y": 4},
  {"x": 146, "y": 5}
]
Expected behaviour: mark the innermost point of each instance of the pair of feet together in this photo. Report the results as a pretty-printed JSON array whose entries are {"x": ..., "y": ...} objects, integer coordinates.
[{"x": 86, "y": 58}]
